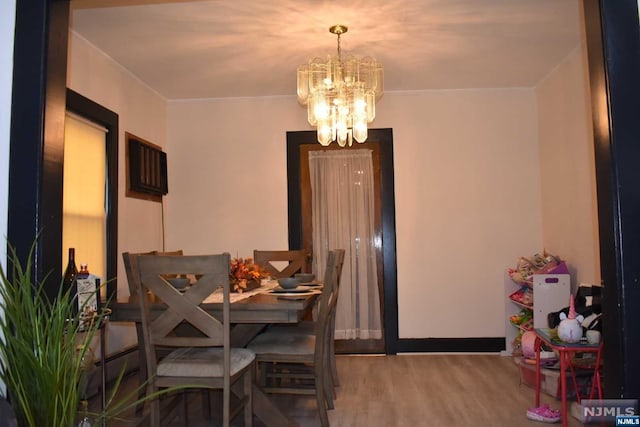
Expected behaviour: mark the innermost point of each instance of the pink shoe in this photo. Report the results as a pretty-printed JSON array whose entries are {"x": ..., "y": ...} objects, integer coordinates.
[{"x": 544, "y": 414}]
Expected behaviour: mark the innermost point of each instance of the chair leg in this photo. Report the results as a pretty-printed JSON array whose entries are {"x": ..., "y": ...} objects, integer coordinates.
[
  {"x": 248, "y": 406},
  {"x": 226, "y": 407},
  {"x": 329, "y": 390},
  {"x": 330, "y": 361},
  {"x": 154, "y": 415},
  {"x": 206, "y": 404},
  {"x": 332, "y": 353},
  {"x": 185, "y": 411},
  {"x": 142, "y": 377},
  {"x": 261, "y": 373},
  {"x": 334, "y": 369},
  {"x": 321, "y": 400},
  {"x": 142, "y": 370},
  {"x": 328, "y": 387},
  {"x": 321, "y": 386}
]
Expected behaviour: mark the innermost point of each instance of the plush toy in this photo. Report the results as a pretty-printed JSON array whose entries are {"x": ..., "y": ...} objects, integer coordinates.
[
  {"x": 570, "y": 327},
  {"x": 528, "y": 342}
]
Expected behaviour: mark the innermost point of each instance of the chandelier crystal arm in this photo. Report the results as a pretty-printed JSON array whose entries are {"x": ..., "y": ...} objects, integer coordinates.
[{"x": 340, "y": 95}]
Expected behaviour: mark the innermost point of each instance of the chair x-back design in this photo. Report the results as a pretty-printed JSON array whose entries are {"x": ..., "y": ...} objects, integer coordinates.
[
  {"x": 294, "y": 261},
  {"x": 204, "y": 356},
  {"x": 130, "y": 261}
]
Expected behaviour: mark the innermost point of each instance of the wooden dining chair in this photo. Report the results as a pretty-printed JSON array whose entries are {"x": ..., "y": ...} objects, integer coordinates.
[
  {"x": 308, "y": 327},
  {"x": 272, "y": 348},
  {"x": 203, "y": 358},
  {"x": 130, "y": 261},
  {"x": 281, "y": 263}
]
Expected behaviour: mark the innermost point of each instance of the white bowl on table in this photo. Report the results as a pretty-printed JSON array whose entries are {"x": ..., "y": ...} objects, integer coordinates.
[{"x": 305, "y": 277}]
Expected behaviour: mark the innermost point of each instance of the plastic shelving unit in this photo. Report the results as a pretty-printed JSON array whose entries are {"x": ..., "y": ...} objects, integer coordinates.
[{"x": 550, "y": 294}]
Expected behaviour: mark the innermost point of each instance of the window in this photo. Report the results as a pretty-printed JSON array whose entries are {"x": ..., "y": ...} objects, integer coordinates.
[
  {"x": 90, "y": 194},
  {"x": 84, "y": 215}
]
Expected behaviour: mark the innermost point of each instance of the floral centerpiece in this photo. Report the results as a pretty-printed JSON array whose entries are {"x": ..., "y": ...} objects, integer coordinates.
[{"x": 245, "y": 274}]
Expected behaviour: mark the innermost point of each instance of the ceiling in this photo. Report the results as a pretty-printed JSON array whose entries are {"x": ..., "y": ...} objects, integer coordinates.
[{"x": 248, "y": 48}]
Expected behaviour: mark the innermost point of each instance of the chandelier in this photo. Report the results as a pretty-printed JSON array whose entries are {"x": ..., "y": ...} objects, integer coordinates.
[{"x": 340, "y": 94}]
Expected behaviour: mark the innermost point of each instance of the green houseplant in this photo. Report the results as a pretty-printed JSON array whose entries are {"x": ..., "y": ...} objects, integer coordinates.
[
  {"x": 43, "y": 345},
  {"x": 42, "y": 349}
]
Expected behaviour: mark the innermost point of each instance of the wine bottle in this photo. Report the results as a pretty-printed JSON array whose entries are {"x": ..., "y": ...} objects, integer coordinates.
[{"x": 70, "y": 275}]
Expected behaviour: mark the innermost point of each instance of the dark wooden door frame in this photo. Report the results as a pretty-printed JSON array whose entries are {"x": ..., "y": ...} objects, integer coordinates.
[
  {"x": 613, "y": 43},
  {"x": 38, "y": 107},
  {"x": 390, "y": 292}
]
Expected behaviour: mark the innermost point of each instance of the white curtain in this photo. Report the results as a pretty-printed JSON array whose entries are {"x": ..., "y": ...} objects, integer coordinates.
[{"x": 343, "y": 218}]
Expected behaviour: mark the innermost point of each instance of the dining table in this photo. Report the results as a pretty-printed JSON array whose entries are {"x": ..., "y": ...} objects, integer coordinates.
[{"x": 250, "y": 314}]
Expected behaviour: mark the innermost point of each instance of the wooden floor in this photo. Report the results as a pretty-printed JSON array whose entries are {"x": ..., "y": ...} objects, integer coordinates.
[{"x": 413, "y": 390}]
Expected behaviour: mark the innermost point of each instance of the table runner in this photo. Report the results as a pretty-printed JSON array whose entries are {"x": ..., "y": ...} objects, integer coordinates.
[{"x": 265, "y": 286}]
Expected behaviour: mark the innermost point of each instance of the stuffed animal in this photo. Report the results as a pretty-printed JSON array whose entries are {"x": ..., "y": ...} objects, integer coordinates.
[
  {"x": 587, "y": 301},
  {"x": 570, "y": 327}
]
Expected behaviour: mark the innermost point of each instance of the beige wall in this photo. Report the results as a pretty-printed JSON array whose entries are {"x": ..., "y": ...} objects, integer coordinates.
[
  {"x": 143, "y": 112},
  {"x": 228, "y": 174},
  {"x": 466, "y": 174},
  {"x": 569, "y": 210},
  {"x": 463, "y": 160}
]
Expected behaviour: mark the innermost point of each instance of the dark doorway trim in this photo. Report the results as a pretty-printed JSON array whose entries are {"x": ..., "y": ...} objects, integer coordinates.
[
  {"x": 98, "y": 114},
  {"x": 451, "y": 345},
  {"x": 385, "y": 138},
  {"x": 37, "y": 134},
  {"x": 613, "y": 43}
]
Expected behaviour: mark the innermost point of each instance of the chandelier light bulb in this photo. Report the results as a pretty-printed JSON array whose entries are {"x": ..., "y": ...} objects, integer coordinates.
[{"x": 340, "y": 94}]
